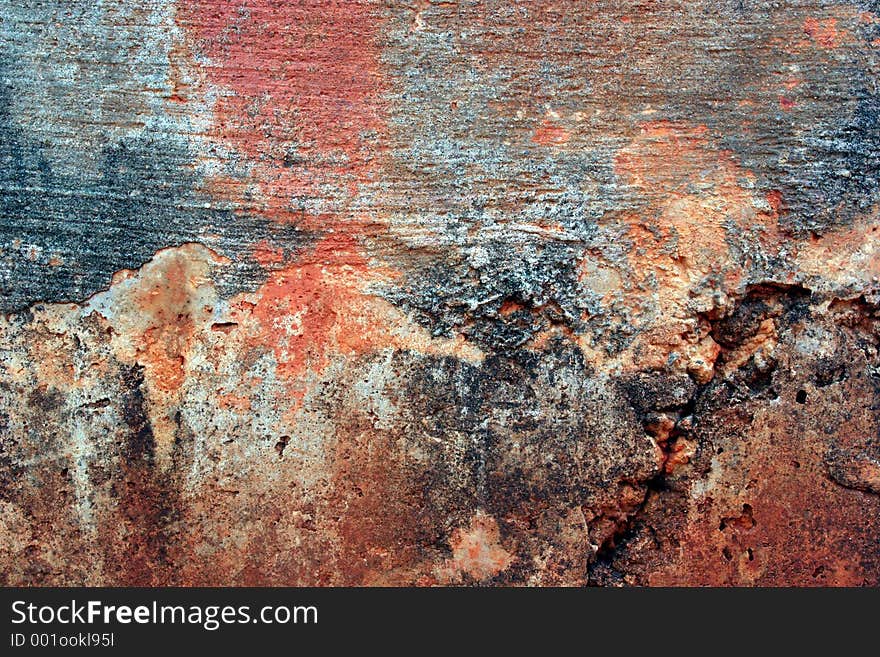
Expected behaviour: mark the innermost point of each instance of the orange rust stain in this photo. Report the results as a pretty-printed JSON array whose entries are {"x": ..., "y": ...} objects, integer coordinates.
[
  {"x": 267, "y": 254},
  {"x": 509, "y": 307},
  {"x": 162, "y": 353},
  {"x": 742, "y": 534},
  {"x": 53, "y": 358},
  {"x": 477, "y": 550},
  {"x": 786, "y": 103},
  {"x": 663, "y": 163},
  {"x": 165, "y": 303},
  {"x": 774, "y": 198},
  {"x": 764, "y": 341},
  {"x": 680, "y": 453},
  {"x": 681, "y": 238},
  {"x": 646, "y": 161},
  {"x": 157, "y": 315},
  {"x": 550, "y": 134},
  {"x": 319, "y": 307},
  {"x": 824, "y": 32},
  {"x": 846, "y": 254},
  {"x": 300, "y": 305},
  {"x": 233, "y": 402}
]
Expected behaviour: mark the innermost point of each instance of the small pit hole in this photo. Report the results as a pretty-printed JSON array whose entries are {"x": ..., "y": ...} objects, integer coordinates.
[{"x": 281, "y": 444}]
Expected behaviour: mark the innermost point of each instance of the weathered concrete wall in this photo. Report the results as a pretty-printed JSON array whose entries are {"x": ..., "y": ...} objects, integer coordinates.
[{"x": 429, "y": 292}]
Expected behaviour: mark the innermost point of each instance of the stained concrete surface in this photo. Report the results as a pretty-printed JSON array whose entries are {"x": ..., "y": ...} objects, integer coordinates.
[{"x": 368, "y": 292}]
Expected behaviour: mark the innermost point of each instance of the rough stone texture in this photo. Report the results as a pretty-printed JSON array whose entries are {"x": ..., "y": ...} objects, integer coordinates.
[{"x": 377, "y": 292}]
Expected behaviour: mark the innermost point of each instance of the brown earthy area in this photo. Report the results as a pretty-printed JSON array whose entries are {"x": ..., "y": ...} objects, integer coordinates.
[{"x": 438, "y": 293}]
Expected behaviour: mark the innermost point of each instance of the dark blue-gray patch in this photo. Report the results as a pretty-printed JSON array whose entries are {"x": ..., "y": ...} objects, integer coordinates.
[{"x": 145, "y": 198}]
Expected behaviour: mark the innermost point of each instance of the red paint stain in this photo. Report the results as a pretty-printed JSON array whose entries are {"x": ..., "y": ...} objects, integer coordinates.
[
  {"x": 304, "y": 71},
  {"x": 300, "y": 98},
  {"x": 300, "y": 91}
]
